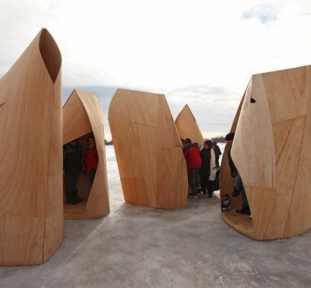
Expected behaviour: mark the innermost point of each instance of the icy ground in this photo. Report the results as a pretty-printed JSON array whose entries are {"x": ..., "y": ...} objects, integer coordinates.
[{"x": 139, "y": 247}]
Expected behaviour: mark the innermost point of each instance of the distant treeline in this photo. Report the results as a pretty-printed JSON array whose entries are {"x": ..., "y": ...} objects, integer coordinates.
[
  {"x": 220, "y": 139},
  {"x": 109, "y": 142}
]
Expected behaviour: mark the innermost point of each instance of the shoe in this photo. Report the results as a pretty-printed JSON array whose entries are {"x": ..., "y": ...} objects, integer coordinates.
[
  {"x": 70, "y": 200},
  {"x": 226, "y": 203},
  {"x": 76, "y": 197},
  {"x": 193, "y": 196},
  {"x": 235, "y": 193},
  {"x": 244, "y": 210}
]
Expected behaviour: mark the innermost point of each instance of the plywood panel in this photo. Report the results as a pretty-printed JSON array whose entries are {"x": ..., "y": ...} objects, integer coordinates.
[
  {"x": 187, "y": 126},
  {"x": 225, "y": 181},
  {"x": 287, "y": 93},
  {"x": 81, "y": 126},
  {"x": 22, "y": 240},
  {"x": 256, "y": 168},
  {"x": 82, "y": 112},
  {"x": 299, "y": 215},
  {"x": 167, "y": 134},
  {"x": 170, "y": 178},
  {"x": 142, "y": 112},
  {"x": 242, "y": 223},
  {"x": 30, "y": 152},
  {"x": 275, "y": 174},
  {"x": 299, "y": 220},
  {"x": 148, "y": 150}
]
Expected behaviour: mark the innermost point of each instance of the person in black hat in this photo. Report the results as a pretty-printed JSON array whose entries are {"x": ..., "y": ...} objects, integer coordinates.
[{"x": 238, "y": 184}]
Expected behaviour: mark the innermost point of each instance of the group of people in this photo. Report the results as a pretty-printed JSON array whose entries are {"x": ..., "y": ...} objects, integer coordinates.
[
  {"x": 74, "y": 164},
  {"x": 202, "y": 166}
]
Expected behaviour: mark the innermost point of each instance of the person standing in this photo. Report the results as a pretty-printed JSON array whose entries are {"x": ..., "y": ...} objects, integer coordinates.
[
  {"x": 208, "y": 158},
  {"x": 238, "y": 183},
  {"x": 217, "y": 151},
  {"x": 193, "y": 160},
  {"x": 72, "y": 155},
  {"x": 90, "y": 160}
]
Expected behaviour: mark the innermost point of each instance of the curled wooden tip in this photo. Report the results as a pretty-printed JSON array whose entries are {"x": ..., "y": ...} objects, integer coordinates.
[{"x": 50, "y": 54}]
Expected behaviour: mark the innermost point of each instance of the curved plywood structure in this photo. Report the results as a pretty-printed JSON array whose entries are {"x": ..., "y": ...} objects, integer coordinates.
[
  {"x": 148, "y": 150},
  {"x": 187, "y": 126},
  {"x": 83, "y": 116},
  {"x": 272, "y": 153},
  {"x": 31, "y": 192}
]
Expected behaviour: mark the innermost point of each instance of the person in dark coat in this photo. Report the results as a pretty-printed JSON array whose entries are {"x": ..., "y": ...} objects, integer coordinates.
[
  {"x": 208, "y": 157},
  {"x": 72, "y": 155},
  {"x": 193, "y": 160},
  {"x": 238, "y": 184},
  {"x": 217, "y": 151}
]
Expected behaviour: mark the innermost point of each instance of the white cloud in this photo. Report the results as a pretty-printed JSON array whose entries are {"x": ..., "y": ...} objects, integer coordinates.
[{"x": 181, "y": 48}]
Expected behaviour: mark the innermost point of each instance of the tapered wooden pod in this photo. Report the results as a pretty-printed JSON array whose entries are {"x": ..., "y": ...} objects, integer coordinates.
[
  {"x": 187, "y": 126},
  {"x": 148, "y": 150},
  {"x": 272, "y": 153},
  {"x": 83, "y": 116},
  {"x": 31, "y": 192}
]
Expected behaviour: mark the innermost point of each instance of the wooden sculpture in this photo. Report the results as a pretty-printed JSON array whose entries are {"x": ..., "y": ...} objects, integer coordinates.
[
  {"x": 187, "y": 126},
  {"x": 272, "y": 153},
  {"x": 83, "y": 116},
  {"x": 148, "y": 150},
  {"x": 31, "y": 192}
]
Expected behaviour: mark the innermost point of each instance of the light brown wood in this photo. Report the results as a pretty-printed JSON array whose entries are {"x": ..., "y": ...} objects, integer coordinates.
[
  {"x": 31, "y": 193},
  {"x": 225, "y": 180},
  {"x": 148, "y": 150},
  {"x": 271, "y": 151},
  {"x": 187, "y": 126},
  {"x": 82, "y": 115},
  {"x": 242, "y": 223}
]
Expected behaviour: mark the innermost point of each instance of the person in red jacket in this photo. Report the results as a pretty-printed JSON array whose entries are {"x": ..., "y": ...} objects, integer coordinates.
[
  {"x": 193, "y": 159},
  {"x": 90, "y": 160}
]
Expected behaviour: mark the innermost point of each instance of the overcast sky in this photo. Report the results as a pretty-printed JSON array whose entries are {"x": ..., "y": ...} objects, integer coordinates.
[{"x": 200, "y": 53}]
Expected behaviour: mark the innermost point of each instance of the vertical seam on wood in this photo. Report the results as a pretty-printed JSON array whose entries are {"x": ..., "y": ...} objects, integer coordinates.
[
  {"x": 291, "y": 202},
  {"x": 47, "y": 187}
]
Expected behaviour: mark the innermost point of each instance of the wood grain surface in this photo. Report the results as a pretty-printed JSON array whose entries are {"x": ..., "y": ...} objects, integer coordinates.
[
  {"x": 31, "y": 193},
  {"x": 271, "y": 153},
  {"x": 148, "y": 150},
  {"x": 187, "y": 126},
  {"x": 83, "y": 116}
]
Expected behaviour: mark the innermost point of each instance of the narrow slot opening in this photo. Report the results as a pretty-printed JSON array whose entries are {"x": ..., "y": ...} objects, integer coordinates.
[{"x": 76, "y": 211}]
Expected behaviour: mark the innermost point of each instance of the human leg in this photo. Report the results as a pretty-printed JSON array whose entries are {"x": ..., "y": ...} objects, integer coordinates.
[
  {"x": 92, "y": 174},
  {"x": 210, "y": 185},
  {"x": 192, "y": 178},
  {"x": 203, "y": 180},
  {"x": 69, "y": 187},
  {"x": 75, "y": 190},
  {"x": 239, "y": 186}
]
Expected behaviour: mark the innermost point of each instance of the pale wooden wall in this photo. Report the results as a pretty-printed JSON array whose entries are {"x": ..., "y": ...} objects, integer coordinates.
[
  {"x": 272, "y": 152},
  {"x": 83, "y": 114},
  {"x": 187, "y": 126},
  {"x": 148, "y": 150},
  {"x": 31, "y": 214}
]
